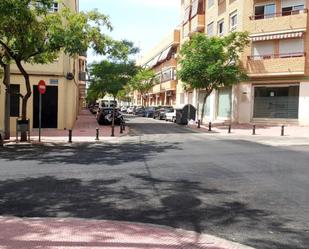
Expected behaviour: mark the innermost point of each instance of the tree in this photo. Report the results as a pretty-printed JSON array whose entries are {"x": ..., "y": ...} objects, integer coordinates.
[
  {"x": 111, "y": 77},
  {"x": 143, "y": 81},
  {"x": 210, "y": 63},
  {"x": 30, "y": 33}
]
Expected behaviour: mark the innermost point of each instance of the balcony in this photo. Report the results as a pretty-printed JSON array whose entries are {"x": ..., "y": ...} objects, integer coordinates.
[
  {"x": 276, "y": 65},
  {"x": 278, "y": 22},
  {"x": 198, "y": 23},
  {"x": 169, "y": 86},
  {"x": 82, "y": 76},
  {"x": 156, "y": 89}
]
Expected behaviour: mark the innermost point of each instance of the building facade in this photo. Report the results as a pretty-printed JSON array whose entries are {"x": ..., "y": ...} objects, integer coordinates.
[
  {"x": 276, "y": 60},
  {"x": 162, "y": 59},
  {"x": 64, "y": 96}
]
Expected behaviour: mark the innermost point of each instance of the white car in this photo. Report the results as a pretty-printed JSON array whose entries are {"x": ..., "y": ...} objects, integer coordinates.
[
  {"x": 171, "y": 116},
  {"x": 130, "y": 110}
]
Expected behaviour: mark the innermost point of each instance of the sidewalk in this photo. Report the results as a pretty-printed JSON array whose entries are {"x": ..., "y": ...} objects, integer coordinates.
[
  {"x": 84, "y": 131},
  {"x": 53, "y": 233},
  {"x": 260, "y": 130}
]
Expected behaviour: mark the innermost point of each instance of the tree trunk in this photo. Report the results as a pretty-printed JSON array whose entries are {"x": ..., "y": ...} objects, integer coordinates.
[
  {"x": 203, "y": 107},
  {"x": 25, "y": 97},
  {"x": 7, "y": 108},
  {"x": 113, "y": 119}
]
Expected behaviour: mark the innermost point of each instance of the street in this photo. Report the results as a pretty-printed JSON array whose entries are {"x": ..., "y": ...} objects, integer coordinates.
[{"x": 165, "y": 174}]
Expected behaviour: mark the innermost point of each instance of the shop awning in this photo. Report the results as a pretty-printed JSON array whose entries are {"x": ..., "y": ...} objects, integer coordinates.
[
  {"x": 165, "y": 54},
  {"x": 277, "y": 36}
]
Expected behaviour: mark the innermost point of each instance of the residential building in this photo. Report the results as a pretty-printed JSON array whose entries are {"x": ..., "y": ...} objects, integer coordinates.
[
  {"x": 276, "y": 60},
  {"x": 65, "y": 95},
  {"x": 162, "y": 59}
]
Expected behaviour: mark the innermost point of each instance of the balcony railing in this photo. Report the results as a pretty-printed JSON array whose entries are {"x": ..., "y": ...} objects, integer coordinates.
[
  {"x": 278, "y": 14},
  {"x": 277, "y": 56}
]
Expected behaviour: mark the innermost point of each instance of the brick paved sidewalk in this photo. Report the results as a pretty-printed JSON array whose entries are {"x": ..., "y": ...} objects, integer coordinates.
[
  {"x": 261, "y": 130},
  {"x": 84, "y": 130},
  {"x": 77, "y": 233}
]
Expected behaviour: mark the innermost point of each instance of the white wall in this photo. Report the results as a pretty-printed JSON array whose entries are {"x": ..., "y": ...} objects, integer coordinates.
[
  {"x": 304, "y": 103},
  {"x": 245, "y": 103}
]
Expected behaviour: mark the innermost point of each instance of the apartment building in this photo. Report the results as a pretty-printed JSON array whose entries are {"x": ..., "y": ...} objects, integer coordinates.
[
  {"x": 276, "y": 60},
  {"x": 162, "y": 59},
  {"x": 65, "y": 94}
]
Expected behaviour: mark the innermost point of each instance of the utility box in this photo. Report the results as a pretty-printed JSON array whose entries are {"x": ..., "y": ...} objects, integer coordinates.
[{"x": 183, "y": 115}]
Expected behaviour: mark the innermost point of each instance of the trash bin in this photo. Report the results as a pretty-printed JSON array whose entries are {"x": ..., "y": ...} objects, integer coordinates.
[{"x": 183, "y": 115}]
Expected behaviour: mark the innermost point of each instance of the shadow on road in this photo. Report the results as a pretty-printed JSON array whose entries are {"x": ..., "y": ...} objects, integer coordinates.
[
  {"x": 181, "y": 204},
  {"x": 86, "y": 153}
]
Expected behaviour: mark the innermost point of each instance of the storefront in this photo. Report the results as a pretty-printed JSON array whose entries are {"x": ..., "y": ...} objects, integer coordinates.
[{"x": 276, "y": 102}]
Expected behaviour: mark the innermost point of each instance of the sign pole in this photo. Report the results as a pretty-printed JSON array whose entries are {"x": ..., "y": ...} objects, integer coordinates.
[
  {"x": 42, "y": 90},
  {"x": 40, "y": 115}
]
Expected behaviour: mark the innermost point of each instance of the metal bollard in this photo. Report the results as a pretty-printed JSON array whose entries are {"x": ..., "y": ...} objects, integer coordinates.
[
  {"x": 209, "y": 126},
  {"x": 253, "y": 130},
  {"x": 282, "y": 130},
  {"x": 70, "y": 136},
  {"x": 199, "y": 124},
  {"x": 97, "y": 135},
  {"x": 1, "y": 140},
  {"x": 230, "y": 129}
]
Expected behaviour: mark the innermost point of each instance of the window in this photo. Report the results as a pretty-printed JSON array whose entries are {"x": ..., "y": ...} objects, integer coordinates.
[
  {"x": 210, "y": 3},
  {"x": 14, "y": 100},
  {"x": 233, "y": 21},
  {"x": 291, "y": 47},
  {"x": 264, "y": 11},
  {"x": 221, "y": 28},
  {"x": 292, "y": 10},
  {"x": 55, "y": 7},
  {"x": 263, "y": 50},
  {"x": 210, "y": 29}
]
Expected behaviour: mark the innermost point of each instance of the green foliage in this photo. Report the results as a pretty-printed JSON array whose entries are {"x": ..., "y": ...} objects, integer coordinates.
[
  {"x": 212, "y": 62},
  {"x": 110, "y": 76},
  {"x": 143, "y": 81},
  {"x": 32, "y": 34}
]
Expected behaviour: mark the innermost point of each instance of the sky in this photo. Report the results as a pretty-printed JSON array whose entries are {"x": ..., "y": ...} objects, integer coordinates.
[{"x": 145, "y": 22}]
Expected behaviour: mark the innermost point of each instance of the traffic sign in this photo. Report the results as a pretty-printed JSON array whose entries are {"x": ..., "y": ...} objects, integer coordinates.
[{"x": 42, "y": 87}]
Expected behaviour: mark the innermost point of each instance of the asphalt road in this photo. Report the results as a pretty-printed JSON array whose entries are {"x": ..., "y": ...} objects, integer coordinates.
[{"x": 165, "y": 174}]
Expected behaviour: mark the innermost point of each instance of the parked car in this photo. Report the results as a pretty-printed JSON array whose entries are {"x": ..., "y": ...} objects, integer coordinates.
[
  {"x": 130, "y": 110},
  {"x": 93, "y": 108},
  {"x": 124, "y": 109},
  {"x": 160, "y": 112},
  {"x": 139, "y": 111},
  {"x": 170, "y": 116},
  {"x": 149, "y": 112},
  {"x": 105, "y": 116}
]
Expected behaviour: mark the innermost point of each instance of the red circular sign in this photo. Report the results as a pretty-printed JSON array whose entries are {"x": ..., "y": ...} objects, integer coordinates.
[{"x": 42, "y": 87}]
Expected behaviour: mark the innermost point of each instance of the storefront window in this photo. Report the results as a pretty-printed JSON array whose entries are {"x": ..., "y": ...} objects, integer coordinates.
[
  {"x": 276, "y": 102},
  {"x": 225, "y": 102}
]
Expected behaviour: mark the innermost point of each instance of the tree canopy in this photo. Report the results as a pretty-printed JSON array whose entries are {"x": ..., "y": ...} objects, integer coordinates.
[
  {"x": 110, "y": 76},
  {"x": 143, "y": 81},
  {"x": 210, "y": 63},
  {"x": 31, "y": 33}
]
